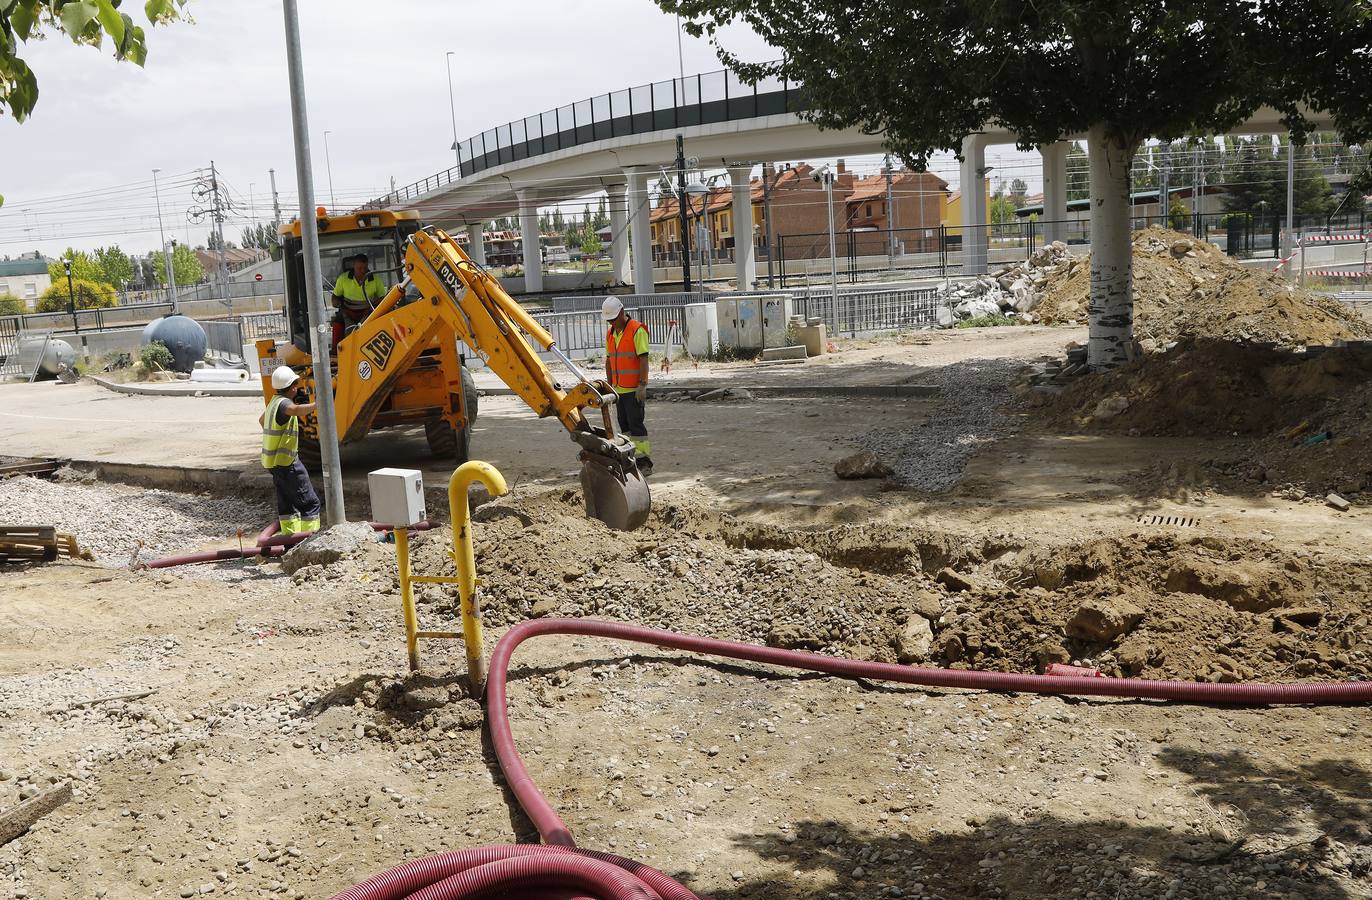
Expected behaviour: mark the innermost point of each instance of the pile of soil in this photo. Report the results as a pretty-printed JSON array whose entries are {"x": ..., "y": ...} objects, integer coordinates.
[
  {"x": 1306, "y": 414},
  {"x": 1186, "y": 288},
  {"x": 1205, "y": 608}
]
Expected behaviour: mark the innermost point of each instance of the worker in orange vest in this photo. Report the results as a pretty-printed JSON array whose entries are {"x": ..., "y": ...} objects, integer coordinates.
[{"x": 626, "y": 368}]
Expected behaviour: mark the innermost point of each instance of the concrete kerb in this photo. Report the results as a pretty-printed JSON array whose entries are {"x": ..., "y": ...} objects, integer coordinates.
[
  {"x": 250, "y": 388},
  {"x": 776, "y": 392}
]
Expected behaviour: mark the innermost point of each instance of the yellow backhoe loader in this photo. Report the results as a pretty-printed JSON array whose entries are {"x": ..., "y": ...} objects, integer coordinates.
[{"x": 401, "y": 364}]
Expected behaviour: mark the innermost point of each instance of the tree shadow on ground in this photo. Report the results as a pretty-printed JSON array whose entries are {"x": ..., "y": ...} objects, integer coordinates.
[{"x": 1304, "y": 836}]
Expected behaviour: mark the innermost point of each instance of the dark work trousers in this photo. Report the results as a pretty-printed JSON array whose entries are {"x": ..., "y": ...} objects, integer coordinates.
[
  {"x": 629, "y": 412},
  {"x": 295, "y": 496}
]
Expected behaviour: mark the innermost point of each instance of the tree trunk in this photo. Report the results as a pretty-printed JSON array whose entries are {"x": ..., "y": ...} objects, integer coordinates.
[{"x": 1111, "y": 311}]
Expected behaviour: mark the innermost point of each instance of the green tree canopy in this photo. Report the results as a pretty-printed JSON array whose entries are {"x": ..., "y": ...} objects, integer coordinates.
[
  {"x": 928, "y": 73},
  {"x": 1256, "y": 180},
  {"x": 591, "y": 244},
  {"x": 85, "y": 22},
  {"x": 115, "y": 266},
  {"x": 1002, "y": 210},
  {"x": 83, "y": 266},
  {"x": 185, "y": 265},
  {"x": 88, "y": 294}
]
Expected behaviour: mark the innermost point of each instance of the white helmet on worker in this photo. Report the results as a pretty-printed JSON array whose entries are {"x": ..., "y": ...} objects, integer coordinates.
[
  {"x": 611, "y": 308},
  {"x": 283, "y": 377}
]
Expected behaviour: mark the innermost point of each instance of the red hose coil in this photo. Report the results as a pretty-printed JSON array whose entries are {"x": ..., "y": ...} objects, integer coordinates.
[{"x": 561, "y": 866}]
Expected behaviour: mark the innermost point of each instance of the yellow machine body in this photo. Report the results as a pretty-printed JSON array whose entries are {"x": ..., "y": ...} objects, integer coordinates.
[{"x": 401, "y": 364}]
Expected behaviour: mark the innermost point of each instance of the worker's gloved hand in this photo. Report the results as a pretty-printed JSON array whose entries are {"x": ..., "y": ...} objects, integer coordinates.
[{"x": 641, "y": 392}]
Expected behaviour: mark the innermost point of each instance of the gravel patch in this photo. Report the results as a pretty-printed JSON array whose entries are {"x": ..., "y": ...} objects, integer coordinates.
[
  {"x": 970, "y": 412},
  {"x": 111, "y": 520}
]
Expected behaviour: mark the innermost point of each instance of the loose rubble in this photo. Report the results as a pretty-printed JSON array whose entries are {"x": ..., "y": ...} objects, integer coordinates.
[
  {"x": 970, "y": 413},
  {"x": 116, "y": 522},
  {"x": 1014, "y": 290}
]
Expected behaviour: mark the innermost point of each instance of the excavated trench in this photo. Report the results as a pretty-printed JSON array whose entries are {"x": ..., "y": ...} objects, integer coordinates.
[{"x": 1147, "y": 602}]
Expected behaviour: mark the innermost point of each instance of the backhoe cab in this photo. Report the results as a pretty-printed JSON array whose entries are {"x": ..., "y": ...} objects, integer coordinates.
[{"x": 402, "y": 364}]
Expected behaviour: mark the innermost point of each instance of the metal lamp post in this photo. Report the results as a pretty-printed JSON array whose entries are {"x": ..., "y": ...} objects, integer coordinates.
[
  {"x": 71, "y": 297},
  {"x": 328, "y": 164},
  {"x": 166, "y": 256},
  {"x": 334, "y": 511},
  {"x": 452, "y": 108}
]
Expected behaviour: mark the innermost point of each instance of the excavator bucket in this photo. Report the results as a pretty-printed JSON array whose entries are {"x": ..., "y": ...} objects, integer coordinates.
[{"x": 616, "y": 492}]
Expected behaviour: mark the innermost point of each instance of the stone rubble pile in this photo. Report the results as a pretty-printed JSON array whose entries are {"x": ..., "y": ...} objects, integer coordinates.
[{"x": 1016, "y": 290}]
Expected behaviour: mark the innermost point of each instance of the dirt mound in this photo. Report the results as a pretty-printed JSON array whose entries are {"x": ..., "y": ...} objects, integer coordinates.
[
  {"x": 1306, "y": 415},
  {"x": 1186, "y": 288},
  {"x": 1204, "y": 608},
  {"x": 1155, "y": 605},
  {"x": 1213, "y": 387}
]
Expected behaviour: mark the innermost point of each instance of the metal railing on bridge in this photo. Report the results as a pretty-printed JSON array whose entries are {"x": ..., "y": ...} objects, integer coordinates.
[{"x": 719, "y": 96}]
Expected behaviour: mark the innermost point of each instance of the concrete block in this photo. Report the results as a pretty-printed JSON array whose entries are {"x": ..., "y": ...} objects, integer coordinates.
[
  {"x": 815, "y": 338},
  {"x": 797, "y": 351}
]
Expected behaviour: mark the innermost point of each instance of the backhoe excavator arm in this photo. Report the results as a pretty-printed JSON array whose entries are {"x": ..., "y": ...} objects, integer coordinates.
[{"x": 460, "y": 300}]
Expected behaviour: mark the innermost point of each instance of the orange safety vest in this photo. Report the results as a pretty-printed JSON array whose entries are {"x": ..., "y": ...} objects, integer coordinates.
[{"x": 623, "y": 358}]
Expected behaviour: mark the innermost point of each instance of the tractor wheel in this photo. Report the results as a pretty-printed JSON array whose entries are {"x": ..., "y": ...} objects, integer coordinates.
[
  {"x": 310, "y": 455},
  {"x": 447, "y": 442},
  {"x": 469, "y": 394}
]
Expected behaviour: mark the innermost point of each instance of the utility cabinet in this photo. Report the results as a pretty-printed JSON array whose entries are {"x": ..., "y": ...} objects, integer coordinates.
[
  {"x": 753, "y": 322},
  {"x": 701, "y": 332},
  {"x": 397, "y": 497}
]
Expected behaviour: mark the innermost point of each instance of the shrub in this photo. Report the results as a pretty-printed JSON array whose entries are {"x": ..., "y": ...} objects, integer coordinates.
[
  {"x": 155, "y": 357},
  {"x": 11, "y": 305},
  {"x": 88, "y": 294}
]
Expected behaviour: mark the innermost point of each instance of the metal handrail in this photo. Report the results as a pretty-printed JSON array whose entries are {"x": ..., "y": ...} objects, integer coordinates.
[{"x": 633, "y": 110}]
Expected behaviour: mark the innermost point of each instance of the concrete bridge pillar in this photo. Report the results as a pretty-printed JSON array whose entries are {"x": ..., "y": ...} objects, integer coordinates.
[
  {"x": 529, "y": 237},
  {"x": 476, "y": 243},
  {"x": 640, "y": 232},
  {"x": 619, "y": 233},
  {"x": 975, "y": 215},
  {"x": 1054, "y": 191},
  {"x": 745, "y": 261}
]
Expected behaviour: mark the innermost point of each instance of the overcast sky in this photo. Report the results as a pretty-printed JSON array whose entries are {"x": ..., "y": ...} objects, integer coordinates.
[{"x": 376, "y": 80}]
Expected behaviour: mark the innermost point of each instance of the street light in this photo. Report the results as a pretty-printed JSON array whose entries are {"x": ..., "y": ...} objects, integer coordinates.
[
  {"x": 166, "y": 257},
  {"x": 825, "y": 176},
  {"x": 71, "y": 297},
  {"x": 452, "y": 108},
  {"x": 333, "y": 204}
]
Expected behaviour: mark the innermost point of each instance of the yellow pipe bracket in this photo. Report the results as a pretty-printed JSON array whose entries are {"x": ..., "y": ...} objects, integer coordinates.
[{"x": 464, "y": 559}]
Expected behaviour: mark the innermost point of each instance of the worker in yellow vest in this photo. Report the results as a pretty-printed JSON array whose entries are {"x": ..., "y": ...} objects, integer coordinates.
[
  {"x": 355, "y": 295},
  {"x": 297, "y": 504},
  {"x": 626, "y": 368}
]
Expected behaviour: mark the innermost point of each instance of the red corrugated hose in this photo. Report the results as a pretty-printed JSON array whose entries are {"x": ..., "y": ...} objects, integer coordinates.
[
  {"x": 558, "y": 869},
  {"x": 269, "y": 543}
]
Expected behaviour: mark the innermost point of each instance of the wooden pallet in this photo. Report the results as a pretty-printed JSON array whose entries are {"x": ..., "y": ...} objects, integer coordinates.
[{"x": 37, "y": 543}]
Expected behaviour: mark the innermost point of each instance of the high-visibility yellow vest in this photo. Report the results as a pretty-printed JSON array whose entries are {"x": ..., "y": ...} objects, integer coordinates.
[
  {"x": 356, "y": 295},
  {"x": 622, "y": 356},
  {"x": 280, "y": 443}
]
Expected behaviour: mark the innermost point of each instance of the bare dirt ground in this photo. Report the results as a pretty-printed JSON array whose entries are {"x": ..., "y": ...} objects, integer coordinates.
[{"x": 279, "y": 748}]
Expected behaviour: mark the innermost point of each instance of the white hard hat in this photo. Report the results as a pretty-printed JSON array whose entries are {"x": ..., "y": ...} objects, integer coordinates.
[
  {"x": 283, "y": 377},
  {"x": 611, "y": 308}
]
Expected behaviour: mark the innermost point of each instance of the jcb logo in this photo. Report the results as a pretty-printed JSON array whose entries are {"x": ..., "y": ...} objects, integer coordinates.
[
  {"x": 379, "y": 349},
  {"x": 449, "y": 277}
]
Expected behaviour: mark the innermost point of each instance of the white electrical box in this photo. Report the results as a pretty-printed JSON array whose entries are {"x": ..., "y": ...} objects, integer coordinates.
[
  {"x": 702, "y": 329},
  {"x": 397, "y": 497}
]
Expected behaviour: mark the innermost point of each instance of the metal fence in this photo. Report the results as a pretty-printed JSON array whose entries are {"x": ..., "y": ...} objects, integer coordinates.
[
  {"x": 225, "y": 338},
  {"x": 577, "y": 326},
  {"x": 9, "y": 346},
  {"x": 719, "y": 96}
]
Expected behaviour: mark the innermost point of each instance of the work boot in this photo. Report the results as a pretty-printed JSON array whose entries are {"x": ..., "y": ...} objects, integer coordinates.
[{"x": 645, "y": 465}]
